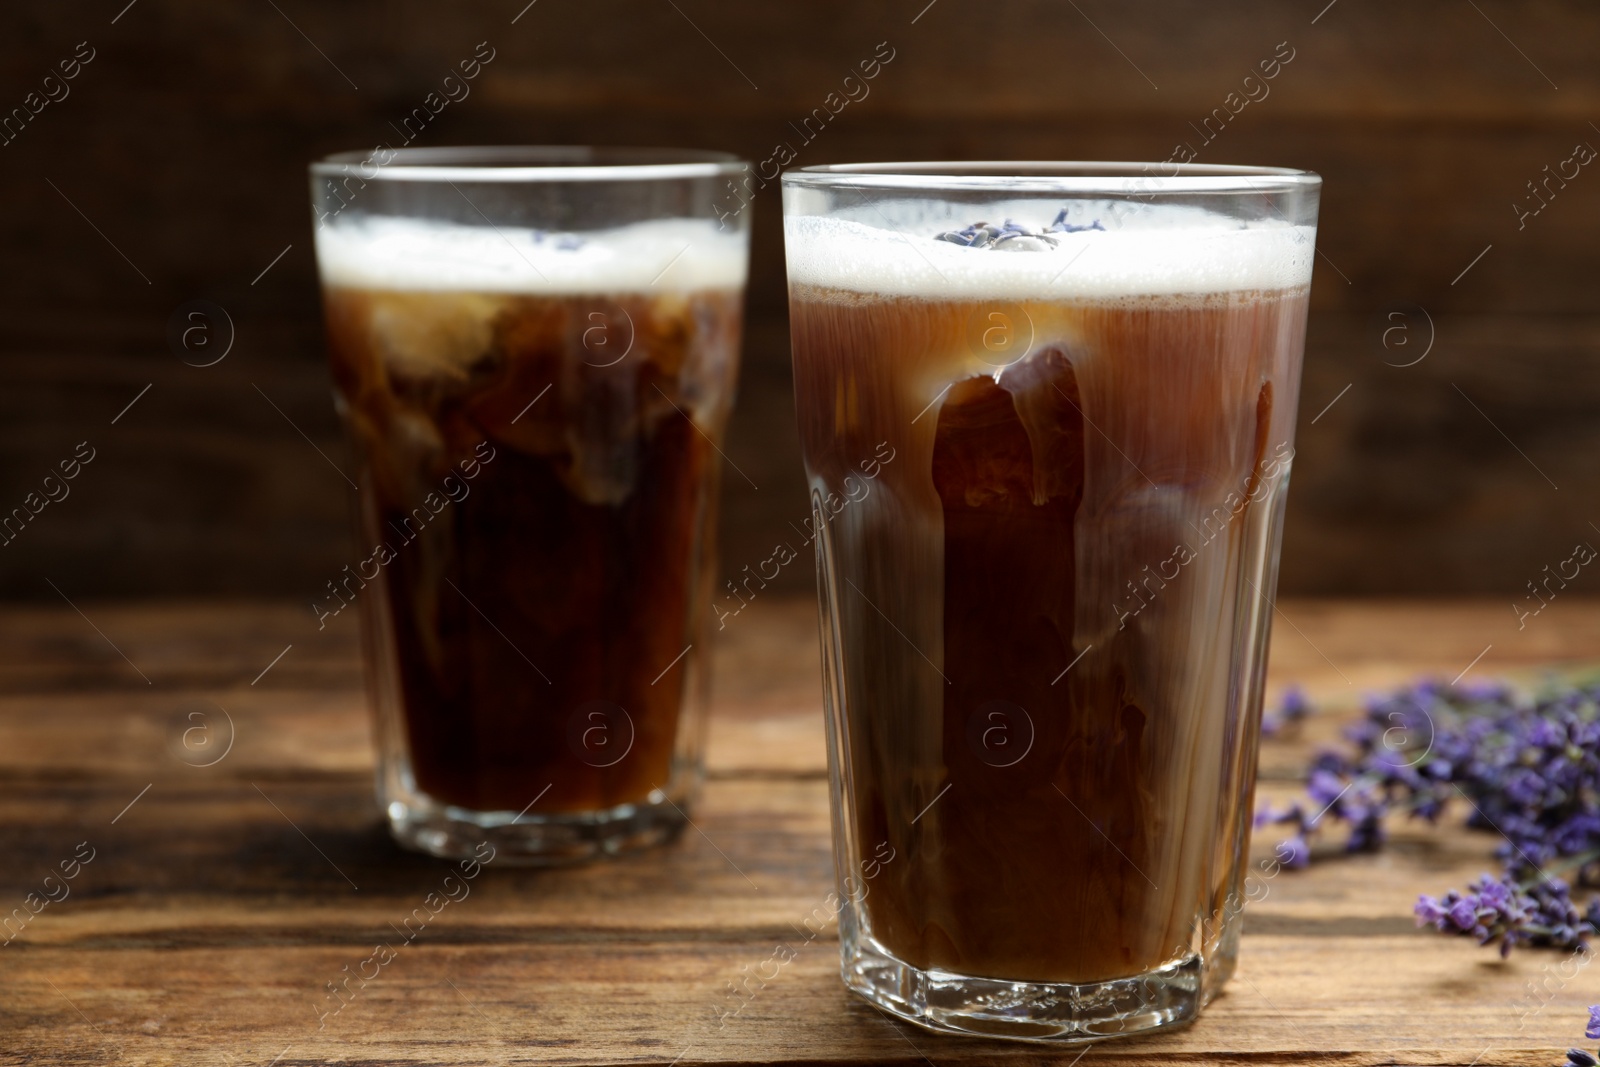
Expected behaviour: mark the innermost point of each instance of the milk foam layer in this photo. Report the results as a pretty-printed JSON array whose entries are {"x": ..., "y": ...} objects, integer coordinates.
[
  {"x": 1200, "y": 252},
  {"x": 384, "y": 252}
]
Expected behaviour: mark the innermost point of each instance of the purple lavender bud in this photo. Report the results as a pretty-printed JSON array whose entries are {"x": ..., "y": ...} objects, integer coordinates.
[
  {"x": 1541, "y": 733},
  {"x": 1294, "y": 705},
  {"x": 1364, "y": 735},
  {"x": 975, "y": 234},
  {"x": 1429, "y": 808},
  {"x": 1292, "y": 708},
  {"x": 1325, "y": 788},
  {"x": 1330, "y": 761},
  {"x": 1579, "y": 1058},
  {"x": 1366, "y": 835},
  {"x": 1593, "y": 1031},
  {"x": 1429, "y": 912},
  {"x": 1481, "y": 692},
  {"x": 1294, "y": 852},
  {"x": 1494, "y": 894},
  {"x": 1530, "y": 772},
  {"x": 1524, "y": 787},
  {"x": 1010, "y": 236},
  {"x": 1292, "y": 813},
  {"x": 1579, "y": 834},
  {"x": 1463, "y": 916}
]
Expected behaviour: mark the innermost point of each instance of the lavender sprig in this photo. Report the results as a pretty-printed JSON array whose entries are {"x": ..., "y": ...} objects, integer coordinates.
[
  {"x": 1499, "y": 910},
  {"x": 1529, "y": 770},
  {"x": 1577, "y": 1057}
]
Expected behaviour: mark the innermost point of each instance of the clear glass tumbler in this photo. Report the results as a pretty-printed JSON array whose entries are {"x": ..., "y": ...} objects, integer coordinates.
[
  {"x": 1047, "y": 412},
  {"x": 534, "y": 352}
]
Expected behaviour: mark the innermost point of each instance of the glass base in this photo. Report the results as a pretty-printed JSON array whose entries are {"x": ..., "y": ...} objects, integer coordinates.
[
  {"x": 535, "y": 840},
  {"x": 1027, "y": 1011}
]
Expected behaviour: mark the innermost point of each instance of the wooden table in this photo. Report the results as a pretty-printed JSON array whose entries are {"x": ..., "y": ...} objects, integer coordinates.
[{"x": 221, "y": 899}]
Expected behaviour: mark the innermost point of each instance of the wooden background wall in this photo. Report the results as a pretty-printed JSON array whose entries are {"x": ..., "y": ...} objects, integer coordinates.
[{"x": 174, "y": 171}]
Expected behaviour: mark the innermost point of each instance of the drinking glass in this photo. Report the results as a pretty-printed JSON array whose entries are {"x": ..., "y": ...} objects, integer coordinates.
[
  {"x": 534, "y": 353},
  {"x": 1047, "y": 413}
]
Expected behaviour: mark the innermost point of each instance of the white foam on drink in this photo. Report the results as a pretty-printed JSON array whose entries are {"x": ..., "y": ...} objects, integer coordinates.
[
  {"x": 1165, "y": 251},
  {"x": 666, "y": 255}
]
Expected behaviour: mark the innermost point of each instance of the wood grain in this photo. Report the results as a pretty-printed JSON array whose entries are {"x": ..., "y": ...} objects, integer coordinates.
[
  {"x": 222, "y": 901},
  {"x": 184, "y": 144}
]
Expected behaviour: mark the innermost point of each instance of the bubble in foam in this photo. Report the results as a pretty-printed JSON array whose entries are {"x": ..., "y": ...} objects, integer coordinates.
[
  {"x": 1161, "y": 251},
  {"x": 665, "y": 255}
]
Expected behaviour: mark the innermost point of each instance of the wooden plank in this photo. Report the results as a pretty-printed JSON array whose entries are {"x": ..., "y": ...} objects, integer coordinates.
[
  {"x": 307, "y": 715},
  {"x": 206, "y": 926},
  {"x": 281, "y": 862},
  {"x": 220, "y": 903},
  {"x": 659, "y": 1003}
]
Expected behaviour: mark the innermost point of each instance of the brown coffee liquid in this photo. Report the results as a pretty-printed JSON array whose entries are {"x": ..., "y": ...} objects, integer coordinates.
[
  {"x": 1049, "y": 824},
  {"x": 532, "y": 631}
]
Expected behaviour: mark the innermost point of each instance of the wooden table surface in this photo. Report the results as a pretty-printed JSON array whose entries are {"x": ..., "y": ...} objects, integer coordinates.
[{"x": 221, "y": 899}]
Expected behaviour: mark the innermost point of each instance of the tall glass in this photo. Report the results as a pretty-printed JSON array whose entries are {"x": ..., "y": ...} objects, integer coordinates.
[
  {"x": 534, "y": 352},
  {"x": 1047, "y": 412}
]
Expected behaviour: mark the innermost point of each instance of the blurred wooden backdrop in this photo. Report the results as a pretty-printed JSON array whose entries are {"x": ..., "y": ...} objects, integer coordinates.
[{"x": 172, "y": 169}]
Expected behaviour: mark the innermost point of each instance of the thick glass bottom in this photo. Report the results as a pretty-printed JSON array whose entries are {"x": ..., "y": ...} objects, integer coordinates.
[
  {"x": 1028, "y": 1011},
  {"x": 535, "y": 840}
]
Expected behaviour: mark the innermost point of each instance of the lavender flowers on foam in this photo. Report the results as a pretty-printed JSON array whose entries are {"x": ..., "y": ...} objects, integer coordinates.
[{"x": 1012, "y": 236}]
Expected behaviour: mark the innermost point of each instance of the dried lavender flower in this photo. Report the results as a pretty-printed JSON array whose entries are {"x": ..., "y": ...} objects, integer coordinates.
[
  {"x": 1528, "y": 769},
  {"x": 1592, "y": 1032},
  {"x": 1061, "y": 225},
  {"x": 1012, "y": 236},
  {"x": 1292, "y": 709},
  {"x": 1500, "y": 910}
]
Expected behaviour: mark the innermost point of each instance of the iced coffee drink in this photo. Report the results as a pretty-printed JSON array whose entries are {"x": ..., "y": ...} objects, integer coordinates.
[
  {"x": 536, "y": 415},
  {"x": 1045, "y": 626}
]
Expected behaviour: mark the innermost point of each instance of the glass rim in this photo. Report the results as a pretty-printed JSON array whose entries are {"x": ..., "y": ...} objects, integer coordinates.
[
  {"x": 532, "y": 163},
  {"x": 1054, "y": 176}
]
